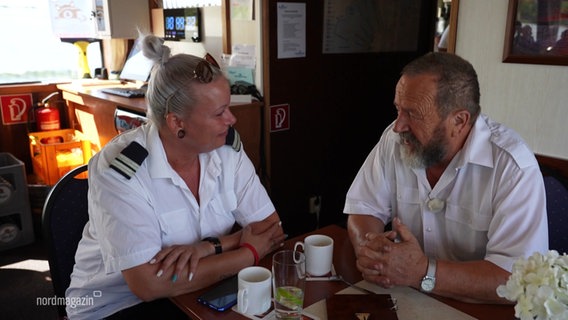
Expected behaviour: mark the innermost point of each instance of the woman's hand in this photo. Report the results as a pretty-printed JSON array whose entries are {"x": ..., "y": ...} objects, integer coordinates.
[
  {"x": 264, "y": 236},
  {"x": 179, "y": 256}
]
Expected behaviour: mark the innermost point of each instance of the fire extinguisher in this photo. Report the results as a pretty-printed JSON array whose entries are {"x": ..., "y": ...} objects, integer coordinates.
[{"x": 47, "y": 117}]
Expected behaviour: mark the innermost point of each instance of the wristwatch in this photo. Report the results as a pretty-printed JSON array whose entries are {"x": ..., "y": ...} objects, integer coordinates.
[
  {"x": 216, "y": 243},
  {"x": 429, "y": 281}
]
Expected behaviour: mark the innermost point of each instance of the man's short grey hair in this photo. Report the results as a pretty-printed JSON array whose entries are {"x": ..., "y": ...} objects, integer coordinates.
[{"x": 458, "y": 86}]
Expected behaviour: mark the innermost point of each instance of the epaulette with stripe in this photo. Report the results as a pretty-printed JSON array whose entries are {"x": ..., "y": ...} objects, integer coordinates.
[
  {"x": 233, "y": 139},
  {"x": 129, "y": 160}
]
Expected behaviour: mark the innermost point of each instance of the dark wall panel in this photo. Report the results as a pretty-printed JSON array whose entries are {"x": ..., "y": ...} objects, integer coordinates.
[{"x": 339, "y": 106}]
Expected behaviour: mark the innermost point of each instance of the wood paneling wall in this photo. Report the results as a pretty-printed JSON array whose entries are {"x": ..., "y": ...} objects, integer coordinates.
[{"x": 339, "y": 106}]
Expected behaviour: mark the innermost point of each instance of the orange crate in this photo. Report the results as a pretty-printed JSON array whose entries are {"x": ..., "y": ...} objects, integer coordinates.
[{"x": 56, "y": 152}]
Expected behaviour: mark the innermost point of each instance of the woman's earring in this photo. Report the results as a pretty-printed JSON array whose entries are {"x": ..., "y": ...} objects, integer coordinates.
[{"x": 181, "y": 133}]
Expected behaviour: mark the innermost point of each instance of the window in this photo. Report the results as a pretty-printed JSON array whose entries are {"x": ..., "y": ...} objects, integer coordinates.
[{"x": 31, "y": 51}]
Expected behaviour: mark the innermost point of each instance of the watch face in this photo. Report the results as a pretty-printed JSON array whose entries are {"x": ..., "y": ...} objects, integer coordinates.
[{"x": 427, "y": 284}]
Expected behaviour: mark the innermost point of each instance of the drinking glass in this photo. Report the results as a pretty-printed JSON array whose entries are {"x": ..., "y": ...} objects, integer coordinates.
[{"x": 289, "y": 282}]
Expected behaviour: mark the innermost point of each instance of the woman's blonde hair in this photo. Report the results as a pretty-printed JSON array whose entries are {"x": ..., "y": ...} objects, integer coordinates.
[{"x": 171, "y": 85}]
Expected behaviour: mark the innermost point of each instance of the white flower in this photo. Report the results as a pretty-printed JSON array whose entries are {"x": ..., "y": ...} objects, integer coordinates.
[{"x": 539, "y": 285}]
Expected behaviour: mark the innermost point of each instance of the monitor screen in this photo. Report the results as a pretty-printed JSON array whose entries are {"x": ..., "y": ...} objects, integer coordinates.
[{"x": 137, "y": 66}]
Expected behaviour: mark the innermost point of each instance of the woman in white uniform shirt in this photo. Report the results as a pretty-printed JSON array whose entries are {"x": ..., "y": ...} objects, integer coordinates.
[{"x": 163, "y": 200}]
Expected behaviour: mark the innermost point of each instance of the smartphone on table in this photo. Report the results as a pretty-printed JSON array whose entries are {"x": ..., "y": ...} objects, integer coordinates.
[{"x": 222, "y": 296}]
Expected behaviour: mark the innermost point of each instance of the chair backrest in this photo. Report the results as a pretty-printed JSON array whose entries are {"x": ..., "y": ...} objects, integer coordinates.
[
  {"x": 65, "y": 214},
  {"x": 557, "y": 208}
]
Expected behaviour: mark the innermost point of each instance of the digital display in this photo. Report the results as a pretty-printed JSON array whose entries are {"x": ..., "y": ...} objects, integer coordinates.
[
  {"x": 179, "y": 23},
  {"x": 169, "y": 23}
]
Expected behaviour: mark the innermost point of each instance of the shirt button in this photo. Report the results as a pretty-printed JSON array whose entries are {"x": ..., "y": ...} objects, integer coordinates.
[{"x": 429, "y": 229}]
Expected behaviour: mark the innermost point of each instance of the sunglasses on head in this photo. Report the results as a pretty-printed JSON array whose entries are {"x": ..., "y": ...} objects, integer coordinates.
[{"x": 203, "y": 71}]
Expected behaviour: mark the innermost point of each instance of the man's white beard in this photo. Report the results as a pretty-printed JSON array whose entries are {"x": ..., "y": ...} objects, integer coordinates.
[{"x": 411, "y": 158}]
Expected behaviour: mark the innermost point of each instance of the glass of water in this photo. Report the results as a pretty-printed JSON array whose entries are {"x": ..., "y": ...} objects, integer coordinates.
[{"x": 289, "y": 282}]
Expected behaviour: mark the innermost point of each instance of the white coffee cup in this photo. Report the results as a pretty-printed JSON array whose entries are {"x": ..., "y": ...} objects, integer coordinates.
[
  {"x": 255, "y": 288},
  {"x": 318, "y": 249}
]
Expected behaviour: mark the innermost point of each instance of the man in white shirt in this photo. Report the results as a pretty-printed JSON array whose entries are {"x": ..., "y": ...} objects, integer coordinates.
[{"x": 464, "y": 194}]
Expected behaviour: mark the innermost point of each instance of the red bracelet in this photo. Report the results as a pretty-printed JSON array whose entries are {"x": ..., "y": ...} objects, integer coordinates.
[{"x": 253, "y": 250}]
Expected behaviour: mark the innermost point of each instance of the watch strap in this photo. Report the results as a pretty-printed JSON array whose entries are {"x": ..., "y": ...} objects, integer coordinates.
[
  {"x": 431, "y": 273},
  {"x": 216, "y": 243}
]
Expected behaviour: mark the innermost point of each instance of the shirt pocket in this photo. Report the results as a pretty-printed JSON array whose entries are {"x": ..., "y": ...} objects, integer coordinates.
[
  {"x": 407, "y": 200},
  {"x": 219, "y": 212},
  {"x": 467, "y": 232},
  {"x": 223, "y": 203},
  {"x": 467, "y": 217},
  {"x": 174, "y": 223}
]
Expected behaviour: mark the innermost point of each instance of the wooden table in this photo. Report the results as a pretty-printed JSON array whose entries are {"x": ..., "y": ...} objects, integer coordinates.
[{"x": 344, "y": 263}]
